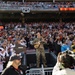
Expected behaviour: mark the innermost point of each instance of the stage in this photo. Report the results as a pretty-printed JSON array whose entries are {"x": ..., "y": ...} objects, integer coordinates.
[{"x": 31, "y": 58}]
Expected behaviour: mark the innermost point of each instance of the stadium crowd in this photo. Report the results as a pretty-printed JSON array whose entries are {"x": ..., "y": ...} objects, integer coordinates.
[
  {"x": 59, "y": 37},
  {"x": 35, "y": 5}
]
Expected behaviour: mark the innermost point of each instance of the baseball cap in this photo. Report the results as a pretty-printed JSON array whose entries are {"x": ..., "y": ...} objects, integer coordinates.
[{"x": 15, "y": 57}]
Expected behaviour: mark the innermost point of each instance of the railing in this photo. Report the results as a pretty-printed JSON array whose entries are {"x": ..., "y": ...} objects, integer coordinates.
[{"x": 39, "y": 71}]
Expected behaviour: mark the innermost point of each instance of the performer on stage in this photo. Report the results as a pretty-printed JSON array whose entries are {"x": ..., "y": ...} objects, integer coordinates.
[{"x": 38, "y": 45}]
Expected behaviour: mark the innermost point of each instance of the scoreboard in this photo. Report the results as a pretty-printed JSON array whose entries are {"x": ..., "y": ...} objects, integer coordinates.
[{"x": 67, "y": 9}]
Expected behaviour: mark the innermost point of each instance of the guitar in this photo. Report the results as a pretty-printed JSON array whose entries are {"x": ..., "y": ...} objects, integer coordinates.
[{"x": 37, "y": 44}]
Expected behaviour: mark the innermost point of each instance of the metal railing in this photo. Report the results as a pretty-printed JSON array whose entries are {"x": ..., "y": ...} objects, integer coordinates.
[{"x": 39, "y": 71}]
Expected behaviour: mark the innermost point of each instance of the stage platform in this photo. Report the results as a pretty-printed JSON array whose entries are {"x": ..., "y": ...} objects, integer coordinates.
[{"x": 31, "y": 58}]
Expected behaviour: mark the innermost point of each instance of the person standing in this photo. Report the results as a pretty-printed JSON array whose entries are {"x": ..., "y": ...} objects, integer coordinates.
[
  {"x": 64, "y": 46},
  {"x": 12, "y": 67},
  {"x": 4, "y": 56},
  {"x": 1, "y": 63},
  {"x": 73, "y": 46},
  {"x": 39, "y": 46},
  {"x": 65, "y": 65}
]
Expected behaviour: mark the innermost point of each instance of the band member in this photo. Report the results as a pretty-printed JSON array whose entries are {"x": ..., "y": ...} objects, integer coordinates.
[{"x": 38, "y": 45}]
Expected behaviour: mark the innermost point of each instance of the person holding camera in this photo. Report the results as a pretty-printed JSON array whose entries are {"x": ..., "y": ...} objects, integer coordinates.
[{"x": 65, "y": 65}]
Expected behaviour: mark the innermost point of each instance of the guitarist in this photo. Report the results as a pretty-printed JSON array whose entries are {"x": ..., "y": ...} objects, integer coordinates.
[{"x": 38, "y": 45}]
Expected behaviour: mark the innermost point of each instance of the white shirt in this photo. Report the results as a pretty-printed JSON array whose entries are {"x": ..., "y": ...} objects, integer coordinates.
[
  {"x": 1, "y": 65},
  {"x": 12, "y": 47},
  {"x": 4, "y": 53},
  {"x": 66, "y": 71},
  {"x": 23, "y": 44}
]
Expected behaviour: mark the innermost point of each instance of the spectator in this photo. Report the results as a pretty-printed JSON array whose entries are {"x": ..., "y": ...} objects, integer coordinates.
[
  {"x": 1, "y": 61},
  {"x": 64, "y": 46},
  {"x": 13, "y": 69},
  {"x": 73, "y": 46},
  {"x": 27, "y": 34},
  {"x": 64, "y": 65}
]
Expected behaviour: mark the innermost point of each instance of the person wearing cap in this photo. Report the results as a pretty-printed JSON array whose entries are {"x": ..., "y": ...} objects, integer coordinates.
[{"x": 12, "y": 67}]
